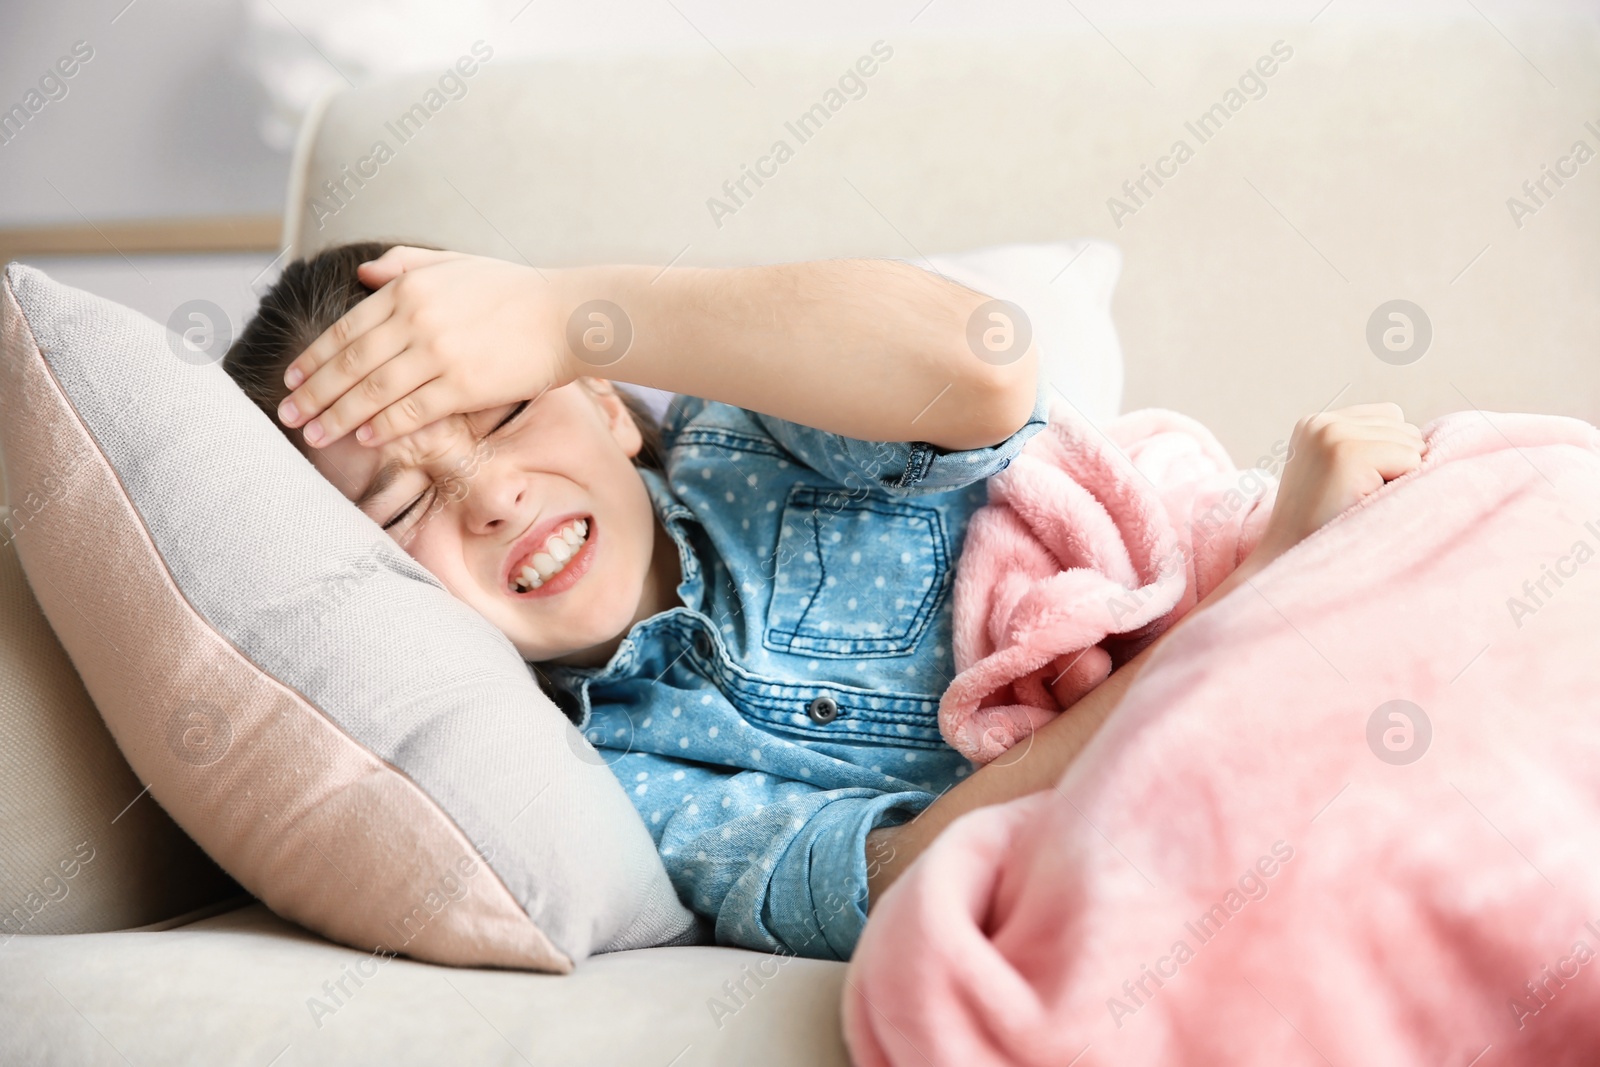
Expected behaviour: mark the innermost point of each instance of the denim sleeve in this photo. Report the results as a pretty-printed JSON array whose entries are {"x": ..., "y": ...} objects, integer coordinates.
[
  {"x": 777, "y": 865},
  {"x": 905, "y": 467}
]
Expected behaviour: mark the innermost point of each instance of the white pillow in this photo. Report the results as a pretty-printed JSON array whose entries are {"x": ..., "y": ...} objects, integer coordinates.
[{"x": 1065, "y": 288}]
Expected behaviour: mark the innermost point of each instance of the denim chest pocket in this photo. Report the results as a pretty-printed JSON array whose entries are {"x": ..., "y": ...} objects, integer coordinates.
[{"x": 855, "y": 574}]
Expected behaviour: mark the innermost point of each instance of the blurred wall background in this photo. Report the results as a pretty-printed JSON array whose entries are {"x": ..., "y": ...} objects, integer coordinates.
[{"x": 187, "y": 108}]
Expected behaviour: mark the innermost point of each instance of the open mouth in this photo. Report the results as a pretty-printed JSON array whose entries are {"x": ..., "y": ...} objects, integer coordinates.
[{"x": 557, "y": 562}]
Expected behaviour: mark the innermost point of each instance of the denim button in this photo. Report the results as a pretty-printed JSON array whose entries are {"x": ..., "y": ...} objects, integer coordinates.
[
  {"x": 702, "y": 645},
  {"x": 823, "y": 710}
]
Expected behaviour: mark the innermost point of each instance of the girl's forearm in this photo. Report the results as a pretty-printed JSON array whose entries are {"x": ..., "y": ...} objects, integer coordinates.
[
  {"x": 1032, "y": 765},
  {"x": 871, "y": 349}
]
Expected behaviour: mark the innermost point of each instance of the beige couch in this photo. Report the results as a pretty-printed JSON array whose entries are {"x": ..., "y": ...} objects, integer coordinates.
[{"x": 1377, "y": 165}]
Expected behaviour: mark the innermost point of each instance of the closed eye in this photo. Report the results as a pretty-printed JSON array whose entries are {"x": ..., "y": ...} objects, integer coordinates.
[
  {"x": 518, "y": 410},
  {"x": 404, "y": 513},
  {"x": 502, "y": 424}
]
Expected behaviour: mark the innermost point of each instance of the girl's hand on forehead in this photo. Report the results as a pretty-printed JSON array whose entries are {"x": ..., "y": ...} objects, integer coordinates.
[{"x": 444, "y": 333}]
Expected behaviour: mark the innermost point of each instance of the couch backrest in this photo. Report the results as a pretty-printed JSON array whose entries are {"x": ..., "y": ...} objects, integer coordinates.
[
  {"x": 85, "y": 847},
  {"x": 1374, "y": 163}
]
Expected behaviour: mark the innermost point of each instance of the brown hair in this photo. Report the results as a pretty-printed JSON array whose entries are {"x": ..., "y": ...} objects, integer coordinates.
[{"x": 313, "y": 294}]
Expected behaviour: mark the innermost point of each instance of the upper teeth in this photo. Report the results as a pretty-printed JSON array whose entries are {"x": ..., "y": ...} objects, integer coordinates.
[{"x": 558, "y": 548}]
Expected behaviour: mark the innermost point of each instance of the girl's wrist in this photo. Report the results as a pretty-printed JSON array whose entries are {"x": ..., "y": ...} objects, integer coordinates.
[
  {"x": 1269, "y": 548},
  {"x": 562, "y": 296},
  {"x": 599, "y": 310},
  {"x": 1263, "y": 554}
]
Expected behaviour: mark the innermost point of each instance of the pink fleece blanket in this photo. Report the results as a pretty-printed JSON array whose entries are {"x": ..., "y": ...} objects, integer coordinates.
[
  {"x": 1349, "y": 814},
  {"x": 1092, "y": 544}
]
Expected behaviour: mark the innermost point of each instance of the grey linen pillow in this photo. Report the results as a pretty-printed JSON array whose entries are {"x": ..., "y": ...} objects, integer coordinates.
[{"x": 354, "y": 745}]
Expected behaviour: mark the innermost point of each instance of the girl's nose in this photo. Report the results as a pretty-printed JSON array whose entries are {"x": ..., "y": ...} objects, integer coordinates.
[{"x": 494, "y": 498}]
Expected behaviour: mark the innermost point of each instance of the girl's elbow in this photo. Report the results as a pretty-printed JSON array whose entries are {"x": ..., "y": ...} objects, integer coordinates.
[{"x": 1002, "y": 399}]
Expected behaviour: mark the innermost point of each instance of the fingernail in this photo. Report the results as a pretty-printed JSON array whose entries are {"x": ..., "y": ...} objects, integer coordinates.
[
  {"x": 287, "y": 411},
  {"x": 294, "y": 378},
  {"x": 364, "y": 434},
  {"x": 313, "y": 431}
]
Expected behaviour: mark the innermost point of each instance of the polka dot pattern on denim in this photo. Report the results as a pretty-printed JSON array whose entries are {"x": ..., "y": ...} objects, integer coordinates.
[{"x": 820, "y": 564}]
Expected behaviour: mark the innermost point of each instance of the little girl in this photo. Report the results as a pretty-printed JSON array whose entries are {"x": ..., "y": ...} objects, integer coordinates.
[{"x": 746, "y": 610}]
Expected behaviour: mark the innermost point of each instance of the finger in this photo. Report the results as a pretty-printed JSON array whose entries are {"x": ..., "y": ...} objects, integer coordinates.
[
  {"x": 1409, "y": 434},
  {"x": 338, "y": 375},
  {"x": 444, "y": 435},
  {"x": 372, "y": 312},
  {"x": 386, "y": 386},
  {"x": 1371, "y": 449},
  {"x": 1381, "y": 420},
  {"x": 395, "y": 262},
  {"x": 1352, "y": 431},
  {"x": 1391, "y": 459},
  {"x": 430, "y": 401},
  {"x": 1340, "y": 421},
  {"x": 1398, "y": 435},
  {"x": 451, "y": 436},
  {"x": 1383, "y": 429}
]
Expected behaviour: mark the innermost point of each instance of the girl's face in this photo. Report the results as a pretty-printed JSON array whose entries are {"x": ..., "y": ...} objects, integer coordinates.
[{"x": 548, "y": 486}]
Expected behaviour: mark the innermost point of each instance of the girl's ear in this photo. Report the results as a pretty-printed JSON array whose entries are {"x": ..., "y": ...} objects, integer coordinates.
[{"x": 618, "y": 418}]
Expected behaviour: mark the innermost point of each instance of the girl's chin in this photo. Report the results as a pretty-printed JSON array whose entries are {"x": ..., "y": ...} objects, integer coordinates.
[{"x": 577, "y": 651}]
